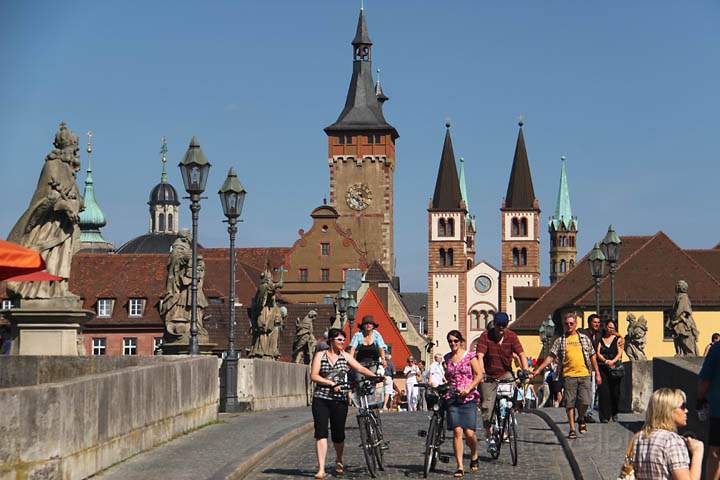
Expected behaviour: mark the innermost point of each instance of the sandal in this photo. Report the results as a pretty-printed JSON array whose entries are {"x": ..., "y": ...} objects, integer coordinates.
[
  {"x": 572, "y": 435},
  {"x": 339, "y": 468},
  {"x": 474, "y": 464},
  {"x": 459, "y": 473},
  {"x": 582, "y": 428}
]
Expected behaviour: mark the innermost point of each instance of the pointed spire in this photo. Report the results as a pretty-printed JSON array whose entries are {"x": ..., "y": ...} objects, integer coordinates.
[
  {"x": 463, "y": 186},
  {"x": 163, "y": 159},
  {"x": 361, "y": 33},
  {"x": 382, "y": 98},
  {"x": 563, "y": 212},
  {"x": 520, "y": 193},
  {"x": 92, "y": 218},
  {"x": 447, "y": 195}
]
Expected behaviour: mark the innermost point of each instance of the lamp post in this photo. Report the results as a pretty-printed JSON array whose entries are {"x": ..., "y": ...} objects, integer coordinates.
[
  {"x": 341, "y": 301},
  {"x": 351, "y": 312},
  {"x": 194, "y": 168},
  {"x": 611, "y": 249},
  {"x": 597, "y": 269},
  {"x": 232, "y": 197}
]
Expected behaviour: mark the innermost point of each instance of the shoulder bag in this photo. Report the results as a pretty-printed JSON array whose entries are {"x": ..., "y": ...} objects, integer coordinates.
[{"x": 627, "y": 471}]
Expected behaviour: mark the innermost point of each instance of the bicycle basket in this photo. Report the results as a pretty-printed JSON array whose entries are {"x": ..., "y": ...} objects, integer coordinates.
[
  {"x": 375, "y": 394},
  {"x": 505, "y": 389}
]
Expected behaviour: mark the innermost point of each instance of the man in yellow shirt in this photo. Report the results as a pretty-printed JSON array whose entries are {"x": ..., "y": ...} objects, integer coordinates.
[{"x": 576, "y": 355}]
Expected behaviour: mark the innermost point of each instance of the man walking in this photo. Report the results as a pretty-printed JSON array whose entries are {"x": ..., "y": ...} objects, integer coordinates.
[
  {"x": 594, "y": 333},
  {"x": 709, "y": 393},
  {"x": 576, "y": 356},
  {"x": 495, "y": 349}
]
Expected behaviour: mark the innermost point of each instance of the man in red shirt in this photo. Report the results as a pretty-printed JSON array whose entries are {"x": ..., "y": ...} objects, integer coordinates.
[{"x": 495, "y": 349}]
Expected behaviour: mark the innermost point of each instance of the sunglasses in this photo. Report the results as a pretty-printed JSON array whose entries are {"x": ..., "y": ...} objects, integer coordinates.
[
  {"x": 453, "y": 341},
  {"x": 339, "y": 339},
  {"x": 683, "y": 406}
]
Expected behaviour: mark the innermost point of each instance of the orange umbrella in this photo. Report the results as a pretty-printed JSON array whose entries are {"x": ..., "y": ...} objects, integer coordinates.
[{"x": 17, "y": 260}]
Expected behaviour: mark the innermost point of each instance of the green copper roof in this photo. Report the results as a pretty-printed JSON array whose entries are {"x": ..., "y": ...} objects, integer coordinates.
[
  {"x": 92, "y": 218},
  {"x": 464, "y": 191},
  {"x": 563, "y": 217}
]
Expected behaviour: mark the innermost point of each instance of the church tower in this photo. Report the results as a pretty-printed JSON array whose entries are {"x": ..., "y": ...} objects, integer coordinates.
[
  {"x": 520, "y": 217},
  {"x": 361, "y": 158},
  {"x": 92, "y": 218},
  {"x": 163, "y": 202},
  {"x": 448, "y": 253},
  {"x": 471, "y": 228},
  {"x": 563, "y": 231}
]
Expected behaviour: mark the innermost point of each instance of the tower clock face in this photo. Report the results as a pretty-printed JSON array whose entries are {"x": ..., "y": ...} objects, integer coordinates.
[
  {"x": 483, "y": 283},
  {"x": 358, "y": 196}
]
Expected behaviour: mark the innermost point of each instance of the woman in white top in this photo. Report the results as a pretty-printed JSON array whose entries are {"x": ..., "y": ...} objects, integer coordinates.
[{"x": 412, "y": 372}]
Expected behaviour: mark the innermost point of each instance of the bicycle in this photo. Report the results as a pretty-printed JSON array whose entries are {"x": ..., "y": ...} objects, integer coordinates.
[
  {"x": 371, "y": 436},
  {"x": 502, "y": 418},
  {"x": 435, "y": 434}
]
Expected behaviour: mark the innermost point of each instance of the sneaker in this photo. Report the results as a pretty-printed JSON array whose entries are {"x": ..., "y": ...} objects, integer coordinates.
[{"x": 589, "y": 418}]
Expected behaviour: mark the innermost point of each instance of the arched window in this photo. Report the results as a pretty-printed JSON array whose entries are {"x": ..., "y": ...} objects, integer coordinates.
[
  {"x": 563, "y": 266},
  {"x": 572, "y": 241},
  {"x": 442, "y": 257},
  {"x": 523, "y": 256},
  {"x": 152, "y": 221},
  {"x": 441, "y": 227},
  {"x": 469, "y": 264},
  {"x": 523, "y": 227},
  {"x": 450, "y": 227},
  {"x": 161, "y": 221},
  {"x": 572, "y": 264},
  {"x": 474, "y": 320},
  {"x": 515, "y": 227},
  {"x": 450, "y": 257},
  {"x": 170, "y": 225},
  {"x": 516, "y": 257}
]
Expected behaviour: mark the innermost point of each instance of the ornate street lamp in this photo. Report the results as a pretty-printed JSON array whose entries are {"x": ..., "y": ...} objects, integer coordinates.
[
  {"x": 341, "y": 300},
  {"x": 611, "y": 250},
  {"x": 232, "y": 196},
  {"x": 194, "y": 168},
  {"x": 597, "y": 269}
]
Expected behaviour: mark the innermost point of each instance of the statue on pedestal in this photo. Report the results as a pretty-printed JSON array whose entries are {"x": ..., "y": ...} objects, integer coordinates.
[
  {"x": 682, "y": 324},
  {"x": 266, "y": 318},
  {"x": 176, "y": 304},
  {"x": 635, "y": 338},
  {"x": 50, "y": 224},
  {"x": 547, "y": 333},
  {"x": 304, "y": 342}
]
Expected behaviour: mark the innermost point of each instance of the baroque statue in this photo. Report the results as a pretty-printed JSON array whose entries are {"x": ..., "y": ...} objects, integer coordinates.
[
  {"x": 547, "y": 334},
  {"x": 682, "y": 324},
  {"x": 635, "y": 338},
  {"x": 50, "y": 224},
  {"x": 266, "y": 317},
  {"x": 304, "y": 342},
  {"x": 176, "y": 304}
]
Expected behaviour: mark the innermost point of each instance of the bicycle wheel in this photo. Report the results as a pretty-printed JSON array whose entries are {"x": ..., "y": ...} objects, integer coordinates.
[
  {"x": 431, "y": 445},
  {"x": 366, "y": 444},
  {"x": 377, "y": 439},
  {"x": 509, "y": 427},
  {"x": 496, "y": 432}
]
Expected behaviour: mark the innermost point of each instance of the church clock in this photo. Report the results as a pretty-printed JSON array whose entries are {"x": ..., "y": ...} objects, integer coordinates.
[{"x": 358, "y": 196}]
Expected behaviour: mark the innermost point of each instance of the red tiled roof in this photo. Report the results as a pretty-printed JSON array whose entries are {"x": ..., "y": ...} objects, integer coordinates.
[
  {"x": 709, "y": 259},
  {"x": 572, "y": 286},
  {"x": 529, "y": 292},
  {"x": 376, "y": 273}
]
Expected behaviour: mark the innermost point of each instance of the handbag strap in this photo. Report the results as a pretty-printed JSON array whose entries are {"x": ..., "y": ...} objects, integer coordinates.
[{"x": 631, "y": 447}]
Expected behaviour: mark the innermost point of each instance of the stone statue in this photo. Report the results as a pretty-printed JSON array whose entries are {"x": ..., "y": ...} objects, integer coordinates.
[
  {"x": 547, "y": 334},
  {"x": 635, "y": 338},
  {"x": 176, "y": 304},
  {"x": 304, "y": 342},
  {"x": 266, "y": 318},
  {"x": 50, "y": 223},
  {"x": 685, "y": 332}
]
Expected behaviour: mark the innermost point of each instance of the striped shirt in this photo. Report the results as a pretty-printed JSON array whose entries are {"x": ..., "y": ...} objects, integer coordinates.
[
  {"x": 336, "y": 373},
  {"x": 657, "y": 455}
]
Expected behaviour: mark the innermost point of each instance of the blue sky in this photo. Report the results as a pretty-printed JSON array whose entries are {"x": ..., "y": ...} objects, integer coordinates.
[{"x": 628, "y": 91}]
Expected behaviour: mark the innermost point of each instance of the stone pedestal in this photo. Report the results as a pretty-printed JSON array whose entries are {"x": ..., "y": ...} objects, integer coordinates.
[
  {"x": 37, "y": 331},
  {"x": 184, "y": 348}
]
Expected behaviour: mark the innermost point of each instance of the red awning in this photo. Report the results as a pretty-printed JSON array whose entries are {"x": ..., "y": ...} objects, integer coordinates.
[
  {"x": 17, "y": 260},
  {"x": 34, "y": 277}
]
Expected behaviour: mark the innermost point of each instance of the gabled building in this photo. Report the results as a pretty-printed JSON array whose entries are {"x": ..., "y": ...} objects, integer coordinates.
[
  {"x": 563, "y": 228},
  {"x": 520, "y": 227},
  {"x": 361, "y": 159}
]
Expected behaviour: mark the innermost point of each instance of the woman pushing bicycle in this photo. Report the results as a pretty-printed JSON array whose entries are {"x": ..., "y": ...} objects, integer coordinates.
[
  {"x": 462, "y": 372},
  {"x": 329, "y": 370}
]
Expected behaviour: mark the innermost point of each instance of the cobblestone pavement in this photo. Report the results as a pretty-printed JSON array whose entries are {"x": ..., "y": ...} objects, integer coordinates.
[{"x": 540, "y": 454}]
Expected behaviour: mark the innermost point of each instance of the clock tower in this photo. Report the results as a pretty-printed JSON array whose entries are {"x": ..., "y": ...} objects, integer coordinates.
[{"x": 361, "y": 158}]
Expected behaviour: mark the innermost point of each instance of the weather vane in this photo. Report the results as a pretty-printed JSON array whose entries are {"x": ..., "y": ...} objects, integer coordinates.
[
  {"x": 521, "y": 119},
  {"x": 89, "y": 148},
  {"x": 163, "y": 159}
]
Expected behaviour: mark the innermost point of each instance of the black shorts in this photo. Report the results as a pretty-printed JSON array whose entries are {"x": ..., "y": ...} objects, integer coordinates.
[
  {"x": 332, "y": 411},
  {"x": 714, "y": 436},
  {"x": 556, "y": 386}
]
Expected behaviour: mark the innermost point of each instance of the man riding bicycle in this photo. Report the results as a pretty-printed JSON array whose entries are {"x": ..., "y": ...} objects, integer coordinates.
[{"x": 495, "y": 349}]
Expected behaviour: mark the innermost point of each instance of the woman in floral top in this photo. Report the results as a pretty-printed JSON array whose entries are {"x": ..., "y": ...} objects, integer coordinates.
[{"x": 462, "y": 372}]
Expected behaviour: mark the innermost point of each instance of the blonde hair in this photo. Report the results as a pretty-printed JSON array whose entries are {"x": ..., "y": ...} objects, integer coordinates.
[{"x": 660, "y": 409}]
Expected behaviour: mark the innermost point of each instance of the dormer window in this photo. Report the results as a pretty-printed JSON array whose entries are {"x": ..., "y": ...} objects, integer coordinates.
[
  {"x": 105, "y": 307},
  {"x": 136, "y": 307}
]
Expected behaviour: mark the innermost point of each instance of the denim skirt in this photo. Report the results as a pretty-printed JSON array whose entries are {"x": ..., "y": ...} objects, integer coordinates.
[{"x": 462, "y": 415}]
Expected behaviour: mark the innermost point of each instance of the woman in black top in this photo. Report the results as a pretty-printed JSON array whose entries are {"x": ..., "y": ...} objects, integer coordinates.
[
  {"x": 609, "y": 355},
  {"x": 330, "y": 367}
]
